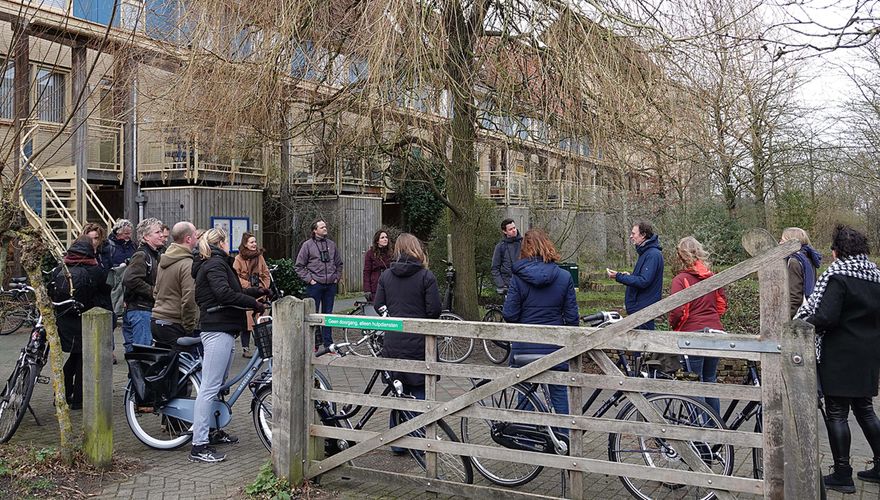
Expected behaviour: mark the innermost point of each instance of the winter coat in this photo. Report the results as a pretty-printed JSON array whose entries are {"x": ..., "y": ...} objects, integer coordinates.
[
  {"x": 89, "y": 282},
  {"x": 119, "y": 251},
  {"x": 308, "y": 261},
  {"x": 140, "y": 277},
  {"x": 803, "y": 268},
  {"x": 374, "y": 265},
  {"x": 849, "y": 317},
  {"x": 217, "y": 285},
  {"x": 540, "y": 293},
  {"x": 702, "y": 312},
  {"x": 645, "y": 285},
  {"x": 251, "y": 273},
  {"x": 505, "y": 254},
  {"x": 408, "y": 290},
  {"x": 175, "y": 290}
]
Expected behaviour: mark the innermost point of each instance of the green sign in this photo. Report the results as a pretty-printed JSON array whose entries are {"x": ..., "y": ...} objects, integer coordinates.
[{"x": 364, "y": 323}]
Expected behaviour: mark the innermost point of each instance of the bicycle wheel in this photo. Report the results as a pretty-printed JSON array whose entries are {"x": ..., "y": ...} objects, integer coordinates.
[
  {"x": 496, "y": 350},
  {"x": 758, "y": 453},
  {"x": 661, "y": 452},
  {"x": 261, "y": 409},
  {"x": 453, "y": 349},
  {"x": 15, "y": 399},
  {"x": 15, "y": 310},
  {"x": 450, "y": 467},
  {"x": 155, "y": 429},
  {"x": 517, "y": 436},
  {"x": 326, "y": 410},
  {"x": 370, "y": 348}
]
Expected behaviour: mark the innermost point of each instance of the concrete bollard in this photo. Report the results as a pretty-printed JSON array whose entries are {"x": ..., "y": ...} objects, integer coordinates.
[{"x": 97, "y": 333}]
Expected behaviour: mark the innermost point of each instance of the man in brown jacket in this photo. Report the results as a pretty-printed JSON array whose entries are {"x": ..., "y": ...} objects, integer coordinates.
[{"x": 175, "y": 313}]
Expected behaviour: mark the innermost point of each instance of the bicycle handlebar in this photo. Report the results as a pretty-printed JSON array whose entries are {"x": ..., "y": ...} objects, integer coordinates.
[{"x": 334, "y": 348}]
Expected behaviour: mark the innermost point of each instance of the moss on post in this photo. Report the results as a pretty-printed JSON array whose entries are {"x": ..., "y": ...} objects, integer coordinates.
[{"x": 97, "y": 331}]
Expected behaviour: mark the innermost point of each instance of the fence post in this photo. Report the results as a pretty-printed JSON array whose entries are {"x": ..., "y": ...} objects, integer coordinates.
[
  {"x": 97, "y": 383},
  {"x": 800, "y": 409},
  {"x": 288, "y": 427}
]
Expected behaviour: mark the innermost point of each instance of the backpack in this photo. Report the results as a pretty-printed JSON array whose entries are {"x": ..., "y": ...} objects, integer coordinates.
[{"x": 67, "y": 281}]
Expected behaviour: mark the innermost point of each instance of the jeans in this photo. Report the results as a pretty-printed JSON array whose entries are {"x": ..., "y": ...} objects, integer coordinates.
[
  {"x": 136, "y": 329},
  {"x": 707, "y": 369},
  {"x": 837, "y": 423},
  {"x": 418, "y": 392},
  {"x": 323, "y": 294},
  {"x": 215, "y": 367}
]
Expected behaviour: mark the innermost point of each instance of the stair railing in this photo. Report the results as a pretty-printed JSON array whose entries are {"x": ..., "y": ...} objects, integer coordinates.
[{"x": 95, "y": 202}]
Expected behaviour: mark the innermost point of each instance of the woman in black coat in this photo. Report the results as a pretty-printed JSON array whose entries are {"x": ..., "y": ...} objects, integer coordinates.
[
  {"x": 82, "y": 274},
  {"x": 845, "y": 308},
  {"x": 409, "y": 290},
  {"x": 217, "y": 286}
]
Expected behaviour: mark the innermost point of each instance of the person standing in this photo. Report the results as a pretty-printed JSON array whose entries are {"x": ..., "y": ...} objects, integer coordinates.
[
  {"x": 217, "y": 286},
  {"x": 377, "y": 259},
  {"x": 541, "y": 293},
  {"x": 803, "y": 267},
  {"x": 644, "y": 286},
  {"x": 700, "y": 313},
  {"x": 121, "y": 246},
  {"x": 252, "y": 272},
  {"x": 175, "y": 312},
  {"x": 82, "y": 278},
  {"x": 319, "y": 265},
  {"x": 845, "y": 309},
  {"x": 138, "y": 281},
  {"x": 505, "y": 254},
  {"x": 409, "y": 290}
]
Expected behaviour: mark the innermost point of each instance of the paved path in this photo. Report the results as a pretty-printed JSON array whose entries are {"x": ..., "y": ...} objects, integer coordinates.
[{"x": 168, "y": 474}]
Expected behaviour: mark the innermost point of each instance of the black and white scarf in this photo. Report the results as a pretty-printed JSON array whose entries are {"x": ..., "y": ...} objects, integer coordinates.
[{"x": 856, "y": 266}]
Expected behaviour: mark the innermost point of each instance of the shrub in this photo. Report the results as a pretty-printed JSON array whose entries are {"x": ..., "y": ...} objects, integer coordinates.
[{"x": 286, "y": 278}]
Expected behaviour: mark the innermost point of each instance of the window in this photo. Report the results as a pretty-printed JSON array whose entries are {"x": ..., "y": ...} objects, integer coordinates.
[
  {"x": 7, "y": 93},
  {"x": 52, "y": 4},
  {"x": 104, "y": 12},
  {"x": 50, "y": 96}
]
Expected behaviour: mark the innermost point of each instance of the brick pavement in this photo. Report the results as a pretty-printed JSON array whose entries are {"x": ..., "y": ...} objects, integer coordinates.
[{"x": 168, "y": 474}]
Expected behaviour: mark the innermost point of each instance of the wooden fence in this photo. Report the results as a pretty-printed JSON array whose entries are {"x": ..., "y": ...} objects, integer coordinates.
[{"x": 785, "y": 351}]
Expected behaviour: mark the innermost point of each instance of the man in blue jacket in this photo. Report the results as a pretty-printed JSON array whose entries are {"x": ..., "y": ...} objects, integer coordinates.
[{"x": 645, "y": 285}]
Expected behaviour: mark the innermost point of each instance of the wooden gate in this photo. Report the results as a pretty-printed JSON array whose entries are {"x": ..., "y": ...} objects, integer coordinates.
[{"x": 785, "y": 352}]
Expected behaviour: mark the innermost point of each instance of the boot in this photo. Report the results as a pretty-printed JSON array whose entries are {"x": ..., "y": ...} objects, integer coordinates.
[
  {"x": 871, "y": 475},
  {"x": 841, "y": 479}
]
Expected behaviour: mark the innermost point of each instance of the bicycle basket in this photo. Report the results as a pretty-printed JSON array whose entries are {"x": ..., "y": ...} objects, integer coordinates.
[
  {"x": 263, "y": 338},
  {"x": 153, "y": 374}
]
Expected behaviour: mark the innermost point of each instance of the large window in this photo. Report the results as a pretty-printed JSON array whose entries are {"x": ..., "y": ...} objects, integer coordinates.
[
  {"x": 50, "y": 96},
  {"x": 7, "y": 92},
  {"x": 104, "y": 12}
]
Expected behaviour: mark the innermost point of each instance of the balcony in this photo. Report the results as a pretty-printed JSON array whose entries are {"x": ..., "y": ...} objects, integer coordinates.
[
  {"x": 104, "y": 148},
  {"x": 508, "y": 188},
  {"x": 316, "y": 175}
]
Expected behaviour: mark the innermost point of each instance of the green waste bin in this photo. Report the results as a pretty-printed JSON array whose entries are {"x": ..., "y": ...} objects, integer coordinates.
[{"x": 572, "y": 268}]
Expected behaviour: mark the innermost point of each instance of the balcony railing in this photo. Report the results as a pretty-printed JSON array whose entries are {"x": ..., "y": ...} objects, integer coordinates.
[
  {"x": 510, "y": 188},
  {"x": 337, "y": 176}
]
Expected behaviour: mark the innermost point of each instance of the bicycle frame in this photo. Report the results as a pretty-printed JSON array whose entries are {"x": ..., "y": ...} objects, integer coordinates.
[
  {"x": 751, "y": 408},
  {"x": 348, "y": 412}
]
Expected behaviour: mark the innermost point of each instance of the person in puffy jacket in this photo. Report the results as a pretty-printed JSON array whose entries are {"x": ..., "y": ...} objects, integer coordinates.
[
  {"x": 700, "y": 313},
  {"x": 80, "y": 277},
  {"x": 377, "y": 259},
  {"x": 505, "y": 254},
  {"x": 540, "y": 293},
  {"x": 217, "y": 288},
  {"x": 644, "y": 286},
  {"x": 803, "y": 268},
  {"x": 409, "y": 290}
]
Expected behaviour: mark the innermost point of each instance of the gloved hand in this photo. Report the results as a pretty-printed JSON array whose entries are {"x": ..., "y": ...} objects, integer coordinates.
[
  {"x": 368, "y": 296},
  {"x": 261, "y": 307},
  {"x": 255, "y": 291}
]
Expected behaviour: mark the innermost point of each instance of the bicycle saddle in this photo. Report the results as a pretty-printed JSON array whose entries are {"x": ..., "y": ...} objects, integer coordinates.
[
  {"x": 520, "y": 360},
  {"x": 189, "y": 341}
]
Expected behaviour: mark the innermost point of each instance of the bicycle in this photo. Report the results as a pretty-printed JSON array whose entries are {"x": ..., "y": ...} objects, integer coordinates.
[
  {"x": 654, "y": 452},
  {"x": 168, "y": 425},
  {"x": 449, "y": 467},
  {"x": 17, "y": 306},
  {"x": 750, "y": 410},
  {"x": 452, "y": 349},
  {"x": 371, "y": 347},
  {"x": 16, "y": 396},
  {"x": 498, "y": 351}
]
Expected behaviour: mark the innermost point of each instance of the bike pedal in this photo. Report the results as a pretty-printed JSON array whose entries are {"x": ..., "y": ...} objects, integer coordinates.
[{"x": 41, "y": 379}]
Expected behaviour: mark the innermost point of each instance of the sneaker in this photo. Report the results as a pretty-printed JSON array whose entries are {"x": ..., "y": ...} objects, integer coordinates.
[
  {"x": 221, "y": 437},
  {"x": 246, "y": 352},
  {"x": 205, "y": 454}
]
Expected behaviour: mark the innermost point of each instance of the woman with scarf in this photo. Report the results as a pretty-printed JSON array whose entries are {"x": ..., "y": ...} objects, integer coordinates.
[
  {"x": 803, "y": 267},
  {"x": 845, "y": 309},
  {"x": 252, "y": 271},
  {"x": 376, "y": 259},
  {"x": 700, "y": 313},
  {"x": 82, "y": 278}
]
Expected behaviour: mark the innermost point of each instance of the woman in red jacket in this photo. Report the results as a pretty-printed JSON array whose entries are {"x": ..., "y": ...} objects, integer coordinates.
[
  {"x": 700, "y": 313},
  {"x": 376, "y": 259}
]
